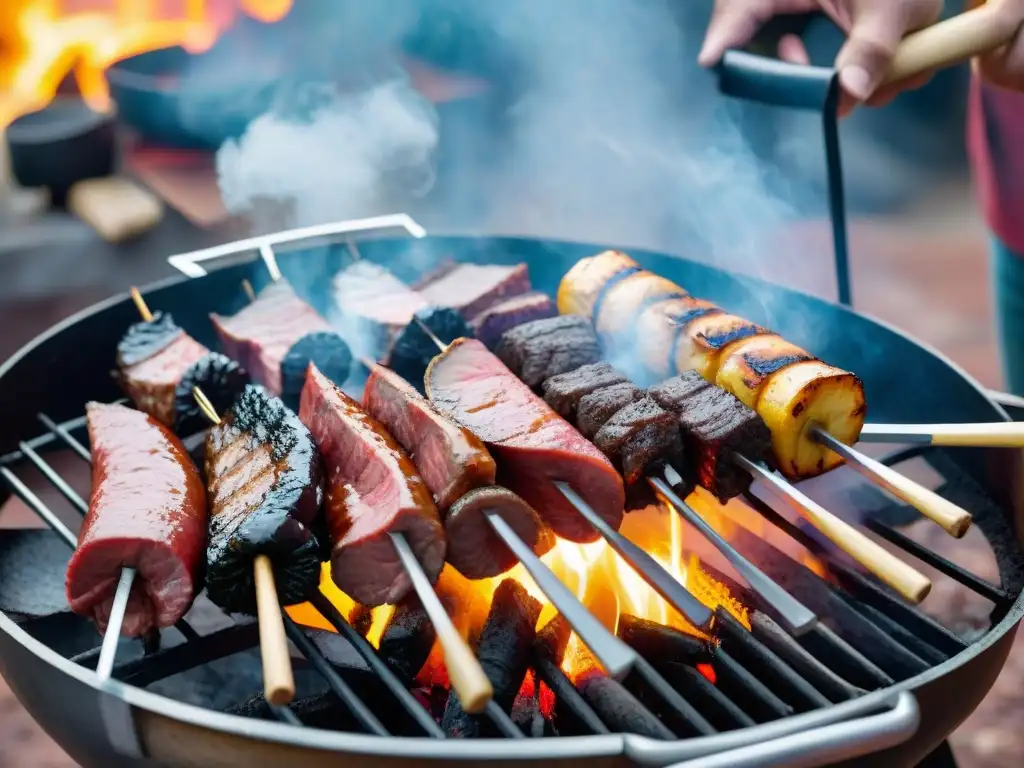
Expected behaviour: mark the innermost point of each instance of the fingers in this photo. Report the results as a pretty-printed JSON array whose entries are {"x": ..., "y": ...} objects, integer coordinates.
[
  {"x": 793, "y": 50},
  {"x": 735, "y": 22}
]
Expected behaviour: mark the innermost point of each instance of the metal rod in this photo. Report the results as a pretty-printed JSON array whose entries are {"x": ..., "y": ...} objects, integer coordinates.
[
  {"x": 669, "y": 695},
  {"x": 499, "y": 717},
  {"x": 649, "y": 569},
  {"x": 285, "y": 715},
  {"x": 267, "y": 254},
  {"x": 947, "y": 515},
  {"x": 337, "y": 685},
  {"x": 615, "y": 656},
  {"x": 67, "y": 437},
  {"x": 58, "y": 482},
  {"x": 797, "y": 617},
  {"x": 913, "y": 585},
  {"x": 23, "y": 492},
  {"x": 108, "y": 651},
  {"x": 326, "y": 608},
  {"x": 466, "y": 675}
]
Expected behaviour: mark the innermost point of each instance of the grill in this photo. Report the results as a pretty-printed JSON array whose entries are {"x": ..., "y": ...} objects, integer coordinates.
[{"x": 873, "y": 679}]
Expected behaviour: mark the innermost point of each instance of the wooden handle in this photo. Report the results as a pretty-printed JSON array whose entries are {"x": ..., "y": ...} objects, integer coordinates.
[
  {"x": 949, "y": 42},
  {"x": 278, "y": 681},
  {"x": 998, "y": 434},
  {"x": 464, "y": 671}
]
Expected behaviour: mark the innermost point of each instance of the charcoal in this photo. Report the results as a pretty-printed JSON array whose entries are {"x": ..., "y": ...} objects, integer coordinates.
[
  {"x": 504, "y": 654},
  {"x": 407, "y": 640},
  {"x": 596, "y": 408},
  {"x": 714, "y": 424},
  {"x": 618, "y": 708},
  {"x": 220, "y": 378},
  {"x": 544, "y": 348},
  {"x": 414, "y": 348},
  {"x": 32, "y": 567},
  {"x": 658, "y": 643},
  {"x": 326, "y": 350},
  {"x": 491, "y": 324},
  {"x": 564, "y": 391}
]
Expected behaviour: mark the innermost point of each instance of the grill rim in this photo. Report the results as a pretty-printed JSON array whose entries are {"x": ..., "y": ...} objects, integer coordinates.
[{"x": 641, "y": 749}]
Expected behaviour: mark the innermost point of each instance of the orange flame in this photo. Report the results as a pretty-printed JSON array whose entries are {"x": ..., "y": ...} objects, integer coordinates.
[{"x": 43, "y": 41}]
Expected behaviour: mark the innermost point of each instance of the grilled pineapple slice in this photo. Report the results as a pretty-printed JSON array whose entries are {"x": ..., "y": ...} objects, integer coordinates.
[
  {"x": 699, "y": 346},
  {"x": 806, "y": 394},
  {"x": 746, "y": 366},
  {"x": 622, "y": 302},
  {"x": 582, "y": 285},
  {"x": 657, "y": 327}
]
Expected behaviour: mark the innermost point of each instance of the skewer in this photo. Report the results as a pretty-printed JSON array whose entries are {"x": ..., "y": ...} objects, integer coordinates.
[
  {"x": 997, "y": 434},
  {"x": 249, "y": 291},
  {"x": 278, "y": 680},
  {"x": 953, "y": 519},
  {"x": 907, "y": 581},
  {"x": 108, "y": 651},
  {"x": 796, "y": 616}
]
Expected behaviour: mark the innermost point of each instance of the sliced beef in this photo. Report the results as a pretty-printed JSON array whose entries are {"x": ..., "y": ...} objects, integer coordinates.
[
  {"x": 594, "y": 409},
  {"x": 374, "y": 306},
  {"x": 474, "y": 549},
  {"x": 541, "y": 349},
  {"x": 147, "y": 511},
  {"x": 414, "y": 347},
  {"x": 373, "y": 490},
  {"x": 533, "y": 445},
  {"x": 263, "y": 334},
  {"x": 474, "y": 288},
  {"x": 489, "y": 325},
  {"x": 714, "y": 424},
  {"x": 264, "y": 492},
  {"x": 641, "y": 439},
  {"x": 564, "y": 391},
  {"x": 450, "y": 459}
]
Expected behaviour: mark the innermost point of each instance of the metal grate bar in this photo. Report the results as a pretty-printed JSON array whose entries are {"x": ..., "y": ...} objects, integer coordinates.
[
  {"x": 41, "y": 441},
  {"x": 285, "y": 715},
  {"x": 390, "y": 680},
  {"x": 501, "y": 720},
  {"x": 24, "y": 493},
  {"x": 566, "y": 694},
  {"x": 55, "y": 479},
  {"x": 69, "y": 440}
]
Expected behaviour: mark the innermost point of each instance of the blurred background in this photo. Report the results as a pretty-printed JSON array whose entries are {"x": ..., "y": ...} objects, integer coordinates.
[{"x": 577, "y": 119}]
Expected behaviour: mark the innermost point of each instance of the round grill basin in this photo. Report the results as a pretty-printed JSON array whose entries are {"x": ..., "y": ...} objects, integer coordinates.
[{"x": 905, "y": 382}]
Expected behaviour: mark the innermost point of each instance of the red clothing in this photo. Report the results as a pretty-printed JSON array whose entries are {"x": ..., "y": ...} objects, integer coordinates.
[{"x": 995, "y": 145}]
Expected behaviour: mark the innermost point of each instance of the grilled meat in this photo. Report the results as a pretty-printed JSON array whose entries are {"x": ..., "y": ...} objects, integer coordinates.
[
  {"x": 583, "y": 288},
  {"x": 541, "y": 349},
  {"x": 156, "y": 359},
  {"x": 807, "y": 394},
  {"x": 489, "y": 325},
  {"x": 596, "y": 408},
  {"x": 373, "y": 490},
  {"x": 714, "y": 424},
  {"x": 532, "y": 444},
  {"x": 474, "y": 549},
  {"x": 147, "y": 511},
  {"x": 746, "y": 367},
  {"x": 705, "y": 340},
  {"x": 564, "y": 391},
  {"x": 414, "y": 348},
  {"x": 264, "y": 492},
  {"x": 374, "y": 304},
  {"x": 281, "y": 334},
  {"x": 473, "y": 288},
  {"x": 449, "y": 458},
  {"x": 659, "y": 325}
]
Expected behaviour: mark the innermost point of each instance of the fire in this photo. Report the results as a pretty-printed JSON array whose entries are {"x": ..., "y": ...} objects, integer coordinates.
[
  {"x": 44, "y": 41},
  {"x": 602, "y": 581}
]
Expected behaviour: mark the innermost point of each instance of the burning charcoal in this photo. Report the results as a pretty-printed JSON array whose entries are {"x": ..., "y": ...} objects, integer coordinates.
[
  {"x": 714, "y": 424},
  {"x": 564, "y": 391},
  {"x": 658, "y": 643},
  {"x": 544, "y": 348},
  {"x": 407, "y": 640},
  {"x": 491, "y": 324},
  {"x": 473, "y": 288},
  {"x": 720, "y": 710},
  {"x": 618, "y": 708},
  {"x": 595, "y": 409},
  {"x": 526, "y": 711},
  {"x": 361, "y": 618},
  {"x": 503, "y": 651},
  {"x": 414, "y": 349}
]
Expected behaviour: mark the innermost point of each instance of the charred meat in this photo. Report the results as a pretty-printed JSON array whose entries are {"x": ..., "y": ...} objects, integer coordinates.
[
  {"x": 532, "y": 444},
  {"x": 277, "y": 336},
  {"x": 147, "y": 511},
  {"x": 594, "y": 409},
  {"x": 264, "y": 494},
  {"x": 714, "y": 424},
  {"x": 157, "y": 360},
  {"x": 564, "y": 391},
  {"x": 541, "y": 349},
  {"x": 414, "y": 348},
  {"x": 373, "y": 490},
  {"x": 489, "y": 325}
]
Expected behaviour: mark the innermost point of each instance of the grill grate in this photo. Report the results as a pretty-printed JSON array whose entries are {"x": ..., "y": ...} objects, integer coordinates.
[{"x": 867, "y": 639}]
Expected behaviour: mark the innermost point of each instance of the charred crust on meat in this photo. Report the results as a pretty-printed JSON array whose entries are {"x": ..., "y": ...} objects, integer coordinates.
[
  {"x": 282, "y": 523},
  {"x": 719, "y": 339},
  {"x": 762, "y": 363},
  {"x": 414, "y": 349},
  {"x": 538, "y": 350},
  {"x": 328, "y": 351},
  {"x": 799, "y": 408},
  {"x": 610, "y": 283},
  {"x": 682, "y": 319},
  {"x": 220, "y": 378},
  {"x": 144, "y": 339}
]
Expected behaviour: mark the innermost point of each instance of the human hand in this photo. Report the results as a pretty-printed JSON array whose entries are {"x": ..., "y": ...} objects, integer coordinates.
[
  {"x": 874, "y": 29},
  {"x": 1005, "y": 67}
]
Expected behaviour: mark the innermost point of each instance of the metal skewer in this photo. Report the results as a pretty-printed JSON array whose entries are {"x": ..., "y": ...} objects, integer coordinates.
[
  {"x": 108, "y": 651},
  {"x": 997, "y": 434},
  {"x": 953, "y": 519}
]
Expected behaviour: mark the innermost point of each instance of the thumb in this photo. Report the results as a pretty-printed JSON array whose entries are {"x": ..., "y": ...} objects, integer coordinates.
[{"x": 864, "y": 59}]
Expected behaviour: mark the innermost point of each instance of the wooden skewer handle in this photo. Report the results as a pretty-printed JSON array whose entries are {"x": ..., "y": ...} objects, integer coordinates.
[
  {"x": 278, "y": 681},
  {"x": 952, "y": 41},
  {"x": 998, "y": 434},
  {"x": 464, "y": 672}
]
